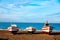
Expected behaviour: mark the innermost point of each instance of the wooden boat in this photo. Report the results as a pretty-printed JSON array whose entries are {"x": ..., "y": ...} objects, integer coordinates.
[
  {"x": 13, "y": 28},
  {"x": 30, "y": 29},
  {"x": 47, "y": 28}
]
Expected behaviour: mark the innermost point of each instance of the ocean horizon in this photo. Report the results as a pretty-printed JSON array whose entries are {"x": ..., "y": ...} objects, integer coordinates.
[{"x": 21, "y": 25}]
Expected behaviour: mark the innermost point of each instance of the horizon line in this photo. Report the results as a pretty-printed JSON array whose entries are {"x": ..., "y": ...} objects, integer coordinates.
[{"x": 34, "y": 22}]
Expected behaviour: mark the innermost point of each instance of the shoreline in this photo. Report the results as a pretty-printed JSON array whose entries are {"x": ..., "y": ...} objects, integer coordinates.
[
  {"x": 37, "y": 31},
  {"x": 9, "y": 36}
]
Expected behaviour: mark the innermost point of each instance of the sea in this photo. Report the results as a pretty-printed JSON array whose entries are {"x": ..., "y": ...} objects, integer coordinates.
[{"x": 38, "y": 26}]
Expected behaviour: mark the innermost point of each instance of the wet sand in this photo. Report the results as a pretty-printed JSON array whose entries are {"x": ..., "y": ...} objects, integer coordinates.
[{"x": 5, "y": 35}]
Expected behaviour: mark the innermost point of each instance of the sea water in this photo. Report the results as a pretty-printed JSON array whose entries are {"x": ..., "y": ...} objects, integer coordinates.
[{"x": 38, "y": 26}]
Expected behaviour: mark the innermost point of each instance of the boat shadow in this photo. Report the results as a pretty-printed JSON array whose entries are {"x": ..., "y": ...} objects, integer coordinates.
[
  {"x": 19, "y": 33},
  {"x": 55, "y": 33}
]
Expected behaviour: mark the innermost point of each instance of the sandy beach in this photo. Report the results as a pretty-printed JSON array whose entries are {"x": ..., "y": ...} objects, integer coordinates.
[{"x": 5, "y": 35}]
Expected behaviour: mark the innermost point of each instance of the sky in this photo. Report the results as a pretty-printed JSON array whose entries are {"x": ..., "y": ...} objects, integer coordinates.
[{"x": 30, "y": 11}]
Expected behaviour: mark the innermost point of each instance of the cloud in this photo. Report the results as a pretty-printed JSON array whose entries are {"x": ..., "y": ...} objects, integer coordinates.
[
  {"x": 31, "y": 5},
  {"x": 54, "y": 14},
  {"x": 29, "y": 10},
  {"x": 42, "y": 0},
  {"x": 19, "y": 3},
  {"x": 3, "y": 10},
  {"x": 53, "y": 18},
  {"x": 10, "y": 6}
]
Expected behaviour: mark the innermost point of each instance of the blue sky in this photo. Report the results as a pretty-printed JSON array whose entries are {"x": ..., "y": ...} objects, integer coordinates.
[{"x": 30, "y": 11}]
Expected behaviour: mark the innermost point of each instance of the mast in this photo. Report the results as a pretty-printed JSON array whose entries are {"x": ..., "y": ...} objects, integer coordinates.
[{"x": 46, "y": 24}]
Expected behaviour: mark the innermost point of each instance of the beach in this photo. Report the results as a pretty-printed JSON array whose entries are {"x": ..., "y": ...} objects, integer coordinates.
[
  {"x": 5, "y": 35},
  {"x": 29, "y": 19}
]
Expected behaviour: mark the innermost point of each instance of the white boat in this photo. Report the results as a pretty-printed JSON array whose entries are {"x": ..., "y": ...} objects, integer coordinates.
[
  {"x": 30, "y": 29},
  {"x": 47, "y": 28},
  {"x": 13, "y": 28}
]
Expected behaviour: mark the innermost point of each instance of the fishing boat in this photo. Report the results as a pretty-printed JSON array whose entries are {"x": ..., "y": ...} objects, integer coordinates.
[
  {"x": 13, "y": 28},
  {"x": 47, "y": 28},
  {"x": 30, "y": 29}
]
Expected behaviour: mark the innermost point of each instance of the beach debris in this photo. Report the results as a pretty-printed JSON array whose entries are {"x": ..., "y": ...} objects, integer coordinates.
[
  {"x": 47, "y": 28},
  {"x": 30, "y": 29},
  {"x": 13, "y": 28}
]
